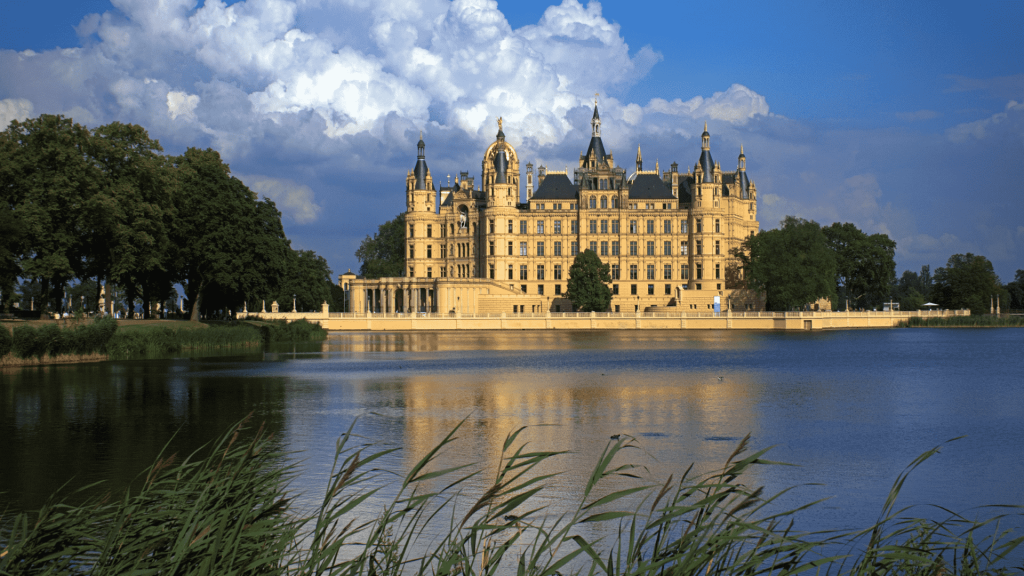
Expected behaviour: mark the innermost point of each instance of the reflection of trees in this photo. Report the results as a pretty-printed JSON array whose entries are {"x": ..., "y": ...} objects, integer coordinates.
[{"x": 109, "y": 421}]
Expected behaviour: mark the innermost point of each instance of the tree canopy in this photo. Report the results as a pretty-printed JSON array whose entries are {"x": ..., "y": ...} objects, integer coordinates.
[
  {"x": 967, "y": 281},
  {"x": 792, "y": 266},
  {"x": 86, "y": 207},
  {"x": 865, "y": 265},
  {"x": 587, "y": 288},
  {"x": 383, "y": 255}
]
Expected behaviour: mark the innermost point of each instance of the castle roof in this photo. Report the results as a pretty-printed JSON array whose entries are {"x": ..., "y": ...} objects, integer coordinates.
[
  {"x": 556, "y": 187},
  {"x": 649, "y": 187},
  {"x": 597, "y": 147}
]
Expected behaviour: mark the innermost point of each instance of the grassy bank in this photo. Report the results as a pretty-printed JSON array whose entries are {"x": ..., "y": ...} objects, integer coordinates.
[
  {"x": 229, "y": 511},
  {"x": 46, "y": 342},
  {"x": 981, "y": 321}
]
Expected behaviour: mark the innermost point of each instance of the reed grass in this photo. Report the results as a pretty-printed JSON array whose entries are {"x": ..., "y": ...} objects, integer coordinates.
[
  {"x": 300, "y": 330},
  {"x": 140, "y": 341},
  {"x": 980, "y": 321},
  {"x": 230, "y": 513}
]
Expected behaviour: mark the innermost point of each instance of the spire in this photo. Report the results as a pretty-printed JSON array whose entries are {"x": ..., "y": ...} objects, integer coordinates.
[
  {"x": 705, "y": 139},
  {"x": 595, "y": 122},
  {"x": 639, "y": 160},
  {"x": 707, "y": 164},
  {"x": 420, "y": 146},
  {"x": 657, "y": 167},
  {"x": 421, "y": 165}
]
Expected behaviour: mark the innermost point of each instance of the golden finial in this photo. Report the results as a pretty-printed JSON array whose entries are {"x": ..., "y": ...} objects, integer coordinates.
[
  {"x": 741, "y": 149},
  {"x": 499, "y": 122},
  {"x": 705, "y": 125},
  {"x": 595, "y": 98}
]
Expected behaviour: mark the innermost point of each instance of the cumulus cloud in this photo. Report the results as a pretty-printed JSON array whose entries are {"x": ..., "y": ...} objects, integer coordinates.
[
  {"x": 980, "y": 129},
  {"x": 295, "y": 201},
  {"x": 14, "y": 109},
  {"x": 181, "y": 104}
]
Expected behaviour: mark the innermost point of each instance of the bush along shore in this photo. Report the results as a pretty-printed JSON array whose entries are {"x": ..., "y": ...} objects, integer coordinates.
[
  {"x": 104, "y": 339},
  {"x": 980, "y": 321},
  {"x": 230, "y": 512}
]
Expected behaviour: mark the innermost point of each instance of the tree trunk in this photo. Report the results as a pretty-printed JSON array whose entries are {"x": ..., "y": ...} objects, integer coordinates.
[
  {"x": 146, "y": 301},
  {"x": 130, "y": 294},
  {"x": 196, "y": 304}
]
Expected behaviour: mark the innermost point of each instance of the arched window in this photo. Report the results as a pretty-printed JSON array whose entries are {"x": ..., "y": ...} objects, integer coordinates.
[
  {"x": 604, "y": 201},
  {"x": 615, "y": 201},
  {"x": 593, "y": 202}
]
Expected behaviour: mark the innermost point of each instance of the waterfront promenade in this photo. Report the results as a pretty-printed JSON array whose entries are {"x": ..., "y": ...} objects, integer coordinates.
[{"x": 660, "y": 320}]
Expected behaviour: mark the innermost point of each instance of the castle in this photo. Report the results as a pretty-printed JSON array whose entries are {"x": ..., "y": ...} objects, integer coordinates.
[{"x": 666, "y": 235}]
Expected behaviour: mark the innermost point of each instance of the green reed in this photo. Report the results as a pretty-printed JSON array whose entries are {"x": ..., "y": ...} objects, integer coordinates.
[
  {"x": 981, "y": 321},
  {"x": 230, "y": 513},
  {"x": 137, "y": 341}
]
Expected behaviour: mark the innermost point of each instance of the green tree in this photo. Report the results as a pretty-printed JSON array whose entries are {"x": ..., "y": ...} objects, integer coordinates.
[
  {"x": 383, "y": 255},
  {"x": 47, "y": 176},
  {"x": 263, "y": 281},
  {"x": 1016, "y": 291},
  {"x": 967, "y": 281},
  {"x": 587, "y": 288},
  {"x": 308, "y": 279},
  {"x": 865, "y": 265},
  {"x": 792, "y": 266}
]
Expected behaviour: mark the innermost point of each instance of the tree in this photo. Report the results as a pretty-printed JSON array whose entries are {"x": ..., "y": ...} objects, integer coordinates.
[
  {"x": 967, "y": 281},
  {"x": 308, "y": 279},
  {"x": 865, "y": 265},
  {"x": 912, "y": 289},
  {"x": 587, "y": 288},
  {"x": 792, "y": 266},
  {"x": 1016, "y": 291},
  {"x": 383, "y": 256}
]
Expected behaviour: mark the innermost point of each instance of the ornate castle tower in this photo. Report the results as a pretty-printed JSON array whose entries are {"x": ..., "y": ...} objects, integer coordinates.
[
  {"x": 420, "y": 205},
  {"x": 501, "y": 188}
]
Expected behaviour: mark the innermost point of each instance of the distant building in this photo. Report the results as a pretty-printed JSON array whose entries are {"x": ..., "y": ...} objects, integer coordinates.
[{"x": 666, "y": 235}]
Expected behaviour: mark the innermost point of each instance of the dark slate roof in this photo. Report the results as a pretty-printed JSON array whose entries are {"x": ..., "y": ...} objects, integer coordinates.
[
  {"x": 420, "y": 171},
  {"x": 598, "y": 147},
  {"x": 556, "y": 187},
  {"x": 685, "y": 195},
  {"x": 650, "y": 187},
  {"x": 595, "y": 117},
  {"x": 744, "y": 185},
  {"x": 451, "y": 196},
  {"x": 707, "y": 165},
  {"x": 729, "y": 185}
]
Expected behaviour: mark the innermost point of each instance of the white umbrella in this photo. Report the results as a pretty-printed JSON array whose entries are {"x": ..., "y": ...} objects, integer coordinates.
[{"x": 926, "y": 304}]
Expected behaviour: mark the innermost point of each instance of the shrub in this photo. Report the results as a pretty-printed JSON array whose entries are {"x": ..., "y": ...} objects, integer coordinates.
[
  {"x": 6, "y": 341},
  {"x": 28, "y": 343},
  {"x": 298, "y": 331}
]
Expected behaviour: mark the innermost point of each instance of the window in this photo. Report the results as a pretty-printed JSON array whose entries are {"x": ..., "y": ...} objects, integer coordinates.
[
  {"x": 412, "y": 251},
  {"x": 444, "y": 271},
  {"x": 575, "y": 248},
  {"x": 650, "y": 226},
  {"x": 509, "y": 271},
  {"x": 718, "y": 247},
  {"x": 684, "y": 248},
  {"x": 412, "y": 230},
  {"x": 650, "y": 271},
  {"x": 593, "y": 202},
  {"x": 540, "y": 248},
  {"x": 700, "y": 271},
  {"x": 540, "y": 271},
  {"x": 684, "y": 272},
  {"x": 700, "y": 248},
  {"x": 632, "y": 227},
  {"x": 615, "y": 247},
  {"x": 593, "y": 246},
  {"x": 616, "y": 272},
  {"x": 522, "y": 226},
  {"x": 615, "y": 201},
  {"x": 650, "y": 289},
  {"x": 540, "y": 226},
  {"x": 604, "y": 248},
  {"x": 557, "y": 227},
  {"x": 604, "y": 226},
  {"x": 668, "y": 226},
  {"x": 451, "y": 229},
  {"x": 540, "y": 206},
  {"x": 700, "y": 226},
  {"x": 522, "y": 248},
  {"x": 604, "y": 199},
  {"x": 668, "y": 271},
  {"x": 430, "y": 231},
  {"x": 718, "y": 271},
  {"x": 522, "y": 272},
  {"x": 489, "y": 229},
  {"x": 615, "y": 226},
  {"x": 558, "y": 248},
  {"x": 718, "y": 227},
  {"x": 430, "y": 250},
  {"x": 668, "y": 289},
  {"x": 632, "y": 289},
  {"x": 650, "y": 247},
  {"x": 523, "y": 288},
  {"x": 574, "y": 226},
  {"x": 540, "y": 289},
  {"x": 632, "y": 247},
  {"x": 491, "y": 272},
  {"x": 558, "y": 274},
  {"x": 510, "y": 248},
  {"x": 615, "y": 291},
  {"x": 444, "y": 252},
  {"x": 430, "y": 272},
  {"x": 632, "y": 273},
  {"x": 509, "y": 226},
  {"x": 593, "y": 226},
  {"x": 490, "y": 247},
  {"x": 558, "y": 291},
  {"x": 668, "y": 248},
  {"x": 684, "y": 227}
]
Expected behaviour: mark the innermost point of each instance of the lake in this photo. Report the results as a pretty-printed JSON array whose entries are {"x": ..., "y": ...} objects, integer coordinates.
[{"x": 851, "y": 408}]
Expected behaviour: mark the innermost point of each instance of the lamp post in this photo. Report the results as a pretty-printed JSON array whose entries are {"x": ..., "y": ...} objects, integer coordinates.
[{"x": 293, "y": 303}]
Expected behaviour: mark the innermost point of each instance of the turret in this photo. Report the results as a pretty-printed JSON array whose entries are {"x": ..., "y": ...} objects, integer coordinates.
[
  {"x": 421, "y": 165},
  {"x": 741, "y": 175},
  {"x": 419, "y": 184},
  {"x": 529, "y": 180}
]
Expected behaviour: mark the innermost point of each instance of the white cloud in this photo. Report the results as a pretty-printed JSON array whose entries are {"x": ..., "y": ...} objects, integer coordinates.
[
  {"x": 980, "y": 129},
  {"x": 14, "y": 109},
  {"x": 181, "y": 104},
  {"x": 294, "y": 200}
]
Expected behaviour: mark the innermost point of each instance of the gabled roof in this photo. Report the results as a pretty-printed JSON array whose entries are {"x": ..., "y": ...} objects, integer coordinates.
[
  {"x": 556, "y": 187},
  {"x": 650, "y": 187}
]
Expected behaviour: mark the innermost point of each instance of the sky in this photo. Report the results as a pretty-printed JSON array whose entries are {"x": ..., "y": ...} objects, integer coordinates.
[{"x": 902, "y": 117}]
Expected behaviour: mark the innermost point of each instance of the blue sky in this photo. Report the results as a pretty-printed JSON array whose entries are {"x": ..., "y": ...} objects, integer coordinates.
[{"x": 902, "y": 117}]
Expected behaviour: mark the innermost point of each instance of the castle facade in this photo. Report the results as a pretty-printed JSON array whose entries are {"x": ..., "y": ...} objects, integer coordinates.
[{"x": 477, "y": 248}]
